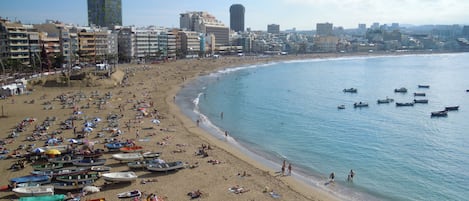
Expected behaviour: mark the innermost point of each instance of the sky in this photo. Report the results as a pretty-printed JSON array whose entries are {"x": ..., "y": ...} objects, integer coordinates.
[{"x": 299, "y": 14}]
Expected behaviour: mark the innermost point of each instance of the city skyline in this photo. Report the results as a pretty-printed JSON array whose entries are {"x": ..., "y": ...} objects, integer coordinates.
[{"x": 299, "y": 14}]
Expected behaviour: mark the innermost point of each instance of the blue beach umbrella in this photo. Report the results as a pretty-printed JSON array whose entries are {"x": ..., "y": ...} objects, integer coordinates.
[
  {"x": 87, "y": 129},
  {"x": 38, "y": 150}
]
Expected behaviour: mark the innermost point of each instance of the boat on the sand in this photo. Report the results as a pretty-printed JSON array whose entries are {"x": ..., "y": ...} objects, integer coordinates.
[
  {"x": 163, "y": 167},
  {"x": 34, "y": 191},
  {"x": 119, "y": 176}
]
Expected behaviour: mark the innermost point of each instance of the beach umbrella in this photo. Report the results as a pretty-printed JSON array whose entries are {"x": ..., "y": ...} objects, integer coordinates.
[
  {"x": 155, "y": 121},
  {"x": 38, "y": 150},
  {"x": 73, "y": 141},
  {"x": 89, "y": 124},
  {"x": 87, "y": 129},
  {"x": 52, "y": 141},
  {"x": 91, "y": 189},
  {"x": 97, "y": 119},
  {"x": 52, "y": 152}
]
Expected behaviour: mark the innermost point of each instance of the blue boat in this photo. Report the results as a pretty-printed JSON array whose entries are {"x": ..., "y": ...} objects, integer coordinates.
[
  {"x": 116, "y": 145},
  {"x": 31, "y": 178}
]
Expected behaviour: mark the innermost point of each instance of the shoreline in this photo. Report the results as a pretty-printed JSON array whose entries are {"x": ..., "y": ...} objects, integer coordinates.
[{"x": 159, "y": 84}]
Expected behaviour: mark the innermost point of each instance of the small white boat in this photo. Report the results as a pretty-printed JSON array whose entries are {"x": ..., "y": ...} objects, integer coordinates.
[
  {"x": 151, "y": 154},
  {"x": 130, "y": 194},
  {"x": 120, "y": 176},
  {"x": 100, "y": 168},
  {"x": 128, "y": 157},
  {"x": 163, "y": 167},
  {"x": 34, "y": 191}
]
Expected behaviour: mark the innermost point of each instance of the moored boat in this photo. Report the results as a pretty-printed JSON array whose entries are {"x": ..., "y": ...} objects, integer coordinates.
[
  {"x": 34, "y": 191},
  {"x": 387, "y": 100},
  {"x": 119, "y": 176},
  {"x": 31, "y": 178},
  {"x": 360, "y": 104},
  {"x": 67, "y": 159},
  {"x": 420, "y": 100},
  {"x": 404, "y": 104},
  {"x": 350, "y": 90},
  {"x": 100, "y": 168},
  {"x": 116, "y": 145},
  {"x": 74, "y": 185},
  {"x": 341, "y": 107},
  {"x": 130, "y": 194},
  {"x": 131, "y": 149},
  {"x": 90, "y": 162},
  {"x": 419, "y": 94},
  {"x": 151, "y": 154},
  {"x": 56, "y": 197},
  {"x": 48, "y": 166},
  {"x": 452, "y": 108},
  {"x": 78, "y": 177},
  {"x": 424, "y": 86},
  {"x": 128, "y": 157},
  {"x": 163, "y": 167},
  {"x": 140, "y": 164},
  {"x": 400, "y": 90},
  {"x": 442, "y": 113},
  {"x": 61, "y": 172}
]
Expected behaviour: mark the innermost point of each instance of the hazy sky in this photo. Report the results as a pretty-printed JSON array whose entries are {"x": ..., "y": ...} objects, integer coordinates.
[{"x": 301, "y": 14}]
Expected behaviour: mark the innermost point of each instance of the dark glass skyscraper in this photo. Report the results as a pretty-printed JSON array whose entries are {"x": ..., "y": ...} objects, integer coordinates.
[
  {"x": 105, "y": 13},
  {"x": 237, "y": 17}
]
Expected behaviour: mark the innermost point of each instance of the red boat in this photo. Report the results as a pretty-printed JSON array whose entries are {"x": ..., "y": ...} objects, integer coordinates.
[{"x": 131, "y": 149}]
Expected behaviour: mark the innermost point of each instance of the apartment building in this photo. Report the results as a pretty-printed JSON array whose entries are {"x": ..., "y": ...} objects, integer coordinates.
[{"x": 18, "y": 42}]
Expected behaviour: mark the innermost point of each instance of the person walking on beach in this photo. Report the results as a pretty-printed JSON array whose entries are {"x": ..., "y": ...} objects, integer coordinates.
[
  {"x": 289, "y": 169},
  {"x": 283, "y": 168},
  {"x": 137, "y": 134}
]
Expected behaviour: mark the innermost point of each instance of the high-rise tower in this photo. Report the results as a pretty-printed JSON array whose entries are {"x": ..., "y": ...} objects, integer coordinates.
[
  {"x": 105, "y": 13},
  {"x": 237, "y": 17}
]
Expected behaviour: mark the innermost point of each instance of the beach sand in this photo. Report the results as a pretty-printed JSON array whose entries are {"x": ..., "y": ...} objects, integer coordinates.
[{"x": 177, "y": 137}]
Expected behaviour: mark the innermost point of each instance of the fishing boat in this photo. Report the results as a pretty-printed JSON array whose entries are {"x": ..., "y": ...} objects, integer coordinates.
[
  {"x": 61, "y": 148},
  {"x": 341, "y": 107},
  {"x": 62, "y": 172},
  {"x": 419, "y": 94},
  {"x": 34, "y": 191},
  {"x": 130, "y": 194},
  {"x": 360, "y": 105},
  {"x": 100, "y": 168},
  {"x": 140, "y": 164},
  {"x": 387, "y": 100},
  {"x": 31, "y": 178},
  {"x": 78, "y": 177},
  {"x": 48, "y": 166},
  {"x": 89, "y": 162},
  {"x": 116, "y": 145},
  {"x": 400, "y": 90},
  {"x": 452, "y": 108},
  {"x": 67, "y": 159},
  {"x": 424, "y": 86},
  {"x": 128, "y": 157},
  {"x": 163, "y": 167},
  {"x": 57, "y": 197},
  {"x": 420, "y": 100},
  {"x": 442, "y": 113},
  {"x": 119, "y": 176},
  {"x": 404, "y": 104},
  {"x": 131, "y": 149},
  {"x": 350, "y": 90},
  {"x": 151, "y": 154},
  {"x": 73, "y": 185}
]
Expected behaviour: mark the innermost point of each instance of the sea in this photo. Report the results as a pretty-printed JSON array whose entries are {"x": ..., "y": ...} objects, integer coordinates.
[{"x": 288, "y": 110}]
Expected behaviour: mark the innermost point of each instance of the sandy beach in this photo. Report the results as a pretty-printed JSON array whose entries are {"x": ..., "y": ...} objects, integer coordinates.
[{"x": 153, "y": 87}]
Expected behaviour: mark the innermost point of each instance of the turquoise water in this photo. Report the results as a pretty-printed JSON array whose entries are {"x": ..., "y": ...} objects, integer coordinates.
[{"x": 289, "y": 111}]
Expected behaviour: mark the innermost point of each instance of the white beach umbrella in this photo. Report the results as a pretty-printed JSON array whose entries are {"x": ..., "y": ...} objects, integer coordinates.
[
  {"x": 87, "y": 129},
  {"x": 38, "y": 150},
  {"x": 97, "y": 119},
  {"x": 91, "y": 189},
  {"x": 52, "y": 141},
  {"x": 73, "y": 141},
  {"x": 155, "y": 121}
]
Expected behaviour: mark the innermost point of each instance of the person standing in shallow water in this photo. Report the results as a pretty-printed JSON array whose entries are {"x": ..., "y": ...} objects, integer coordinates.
[
  {"x": 289, "y": 169},
  {"x": 350, "y": 175}
]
